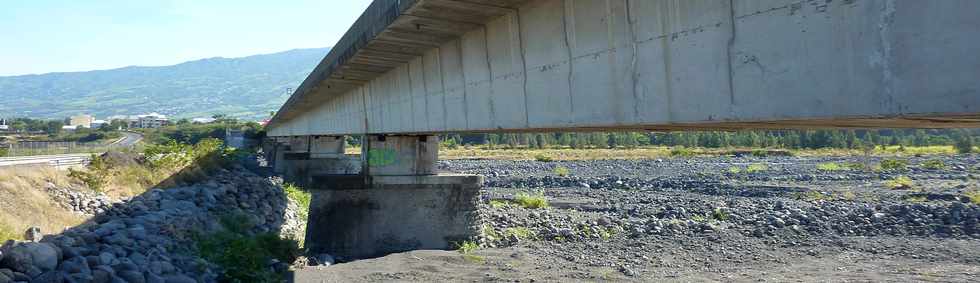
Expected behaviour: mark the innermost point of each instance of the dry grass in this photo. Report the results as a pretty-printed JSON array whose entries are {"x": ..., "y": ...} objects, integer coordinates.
[{"x": 24, "y": 203}]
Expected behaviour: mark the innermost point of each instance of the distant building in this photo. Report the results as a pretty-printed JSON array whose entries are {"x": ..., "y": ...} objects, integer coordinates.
[
  {"x": 203, "y": 120},
  {"x": 70, "y": 127},
  {"x": 149, "y": 121},
  {"x": 3, "y": 125},
  {"x": 99, "y": 123},
  {"x": 83, "y": 121}
]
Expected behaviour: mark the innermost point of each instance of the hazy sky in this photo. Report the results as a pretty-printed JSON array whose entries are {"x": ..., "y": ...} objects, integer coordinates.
[{"x": 41, "y": 36}]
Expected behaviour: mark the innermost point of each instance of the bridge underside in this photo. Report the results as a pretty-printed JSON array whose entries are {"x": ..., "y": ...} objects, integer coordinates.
[
  {"x": 478, "y": 66},
  {"x": 409, "y": 69}
]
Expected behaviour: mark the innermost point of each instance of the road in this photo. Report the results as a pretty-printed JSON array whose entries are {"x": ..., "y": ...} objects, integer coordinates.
[{"x": 129, "y": 139}]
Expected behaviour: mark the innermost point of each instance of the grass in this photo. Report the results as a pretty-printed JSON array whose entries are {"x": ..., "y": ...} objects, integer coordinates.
[
  {"x": 734, "y": 170},
  {"x": 496, "y": 203},
  {"x": 830, "y": 166},
  {"x": 467, "y": 248},
  {"x": 894, "y": 164},
  {"x": 934, "y": 164},
  {"x": 530, "y": 201},
  {"x": 916, "y": 199},
  {"x": 720, "y": 214},
  {"x": 7, "y": 233},
  {"x": 300, "y": 196},
  {"x": 974, "y": 197},
  {"x": 757, "y": 167},
  {"x": 543, "y": 158},
  {"x": 522, "y": 233},
  {"x": 24, "y": 202},
  {"x": 813, "y": 196},
  {"x": 562, "y": 171},
  {"x": 900, "y": 183}
]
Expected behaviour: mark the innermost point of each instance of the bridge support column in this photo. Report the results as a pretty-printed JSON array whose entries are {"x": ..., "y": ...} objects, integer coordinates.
[
  {"x": 309, "y": 155},
  {"x": 398, "y": 203}
]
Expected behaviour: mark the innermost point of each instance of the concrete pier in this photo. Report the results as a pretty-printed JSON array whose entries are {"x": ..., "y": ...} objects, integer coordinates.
[{"x": 390, "y": 199}]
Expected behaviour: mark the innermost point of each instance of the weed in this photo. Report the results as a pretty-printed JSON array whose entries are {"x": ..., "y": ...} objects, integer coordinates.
[
  {"x": 916, "y": 199},
  {"x": 720, "y": 214},
  {"x": 562, "y": 171},
  {"x": 900, "y": 183},
  {"x": 894, "y": 164},
  {"x": 934, "y": 164},
  {"x": 522, "y": 233},
  {"x": 96, "y": 176},
  {"x": 496, "y": 203},
  {"x": 830, "y": 166},
  {"x": 681, "y": 152},
  {"x": 543, "y": 158},
  {"x": 244, "y": 258},
  {"x": 467, "y": 247},
  {"x": 531, "y": 201},
  {"x": 848, "y": 195},
  {"x": 974, "y": 197},
  {"x": 700, "y": 218},
  {"x": 490, "y": 233},
  {"x": 300, "y": 196},
  {"x": 757, "y": 167},
  {"x": 605, "y": 233},
  {"x": 734, "y": 170},
  {"x": 812, "y": 196}
]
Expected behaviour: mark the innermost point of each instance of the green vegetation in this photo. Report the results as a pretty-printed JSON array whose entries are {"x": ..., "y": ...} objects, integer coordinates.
[
  {"x": 244, "y": 257},
  {"x": 753, "y": 168},
  {"x": 734, "y": 170},
  {"x": 900, "y": 183},
  {"x": 543, "y": 158},
  {"x": 720, "y": 214},
  {"x": 496, "y": 203},
  {"x": 888, "y": 141},
  {"x": 522, "y": 233},
  {"x": 894, "y": 164},
  {"x": 813, "y": 196},
  {"x": 830, "y": 166},
  {"x": 300, "y": 196},
  {"x": 964, "y": 142},
  {"x": 532, "y": 201},
  {"x": 562, "y": 171},
  {"x": 682, "y": 152},
  {"x": 916, "y": 199},
  {"x": 96, "y": 176},
  {"x": 188, "y": 133},
  {"x": 974, "y": 196},
  {"x": 934, "y": 164}
]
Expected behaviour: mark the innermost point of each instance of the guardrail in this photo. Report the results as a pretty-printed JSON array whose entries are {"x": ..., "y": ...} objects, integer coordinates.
[{"x": 57, "y": 161}]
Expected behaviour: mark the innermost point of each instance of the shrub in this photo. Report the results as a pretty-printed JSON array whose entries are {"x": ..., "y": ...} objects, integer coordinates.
[
  {"x": 894, "y": 164},
  {"x": 496, "y": 203},
  {"x": 734, "y": 170},
  {"x": 96, "y": 174},
  {"x": 543, "y": 158},
  {"x": 681, "y": 152},
  {"x": 242, "y": 257},
  {"x": 974, "y": 197},
  {"x": 900, "y": 183},
  {"x": 467, "y": 247},
  {"x": 3, "y": 152},
  {"x": 522, "y": 233},
  {"x": 830, "y": 166},
  {"x": 756, "y": 168},
  {"x": 562, "y": 171},
  {"x": 720, "y": 214},
  {"x": 531, "y": 201},
  {"x": 934, "y": 164},
  {"x": 964, "y": 143}
]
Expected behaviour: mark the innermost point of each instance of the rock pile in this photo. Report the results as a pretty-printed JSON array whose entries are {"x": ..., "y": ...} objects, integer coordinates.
[{"x": 149, "y": 238}]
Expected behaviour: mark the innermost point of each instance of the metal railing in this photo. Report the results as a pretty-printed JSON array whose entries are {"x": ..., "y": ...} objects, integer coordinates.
[{"x": 55, "y": 148}]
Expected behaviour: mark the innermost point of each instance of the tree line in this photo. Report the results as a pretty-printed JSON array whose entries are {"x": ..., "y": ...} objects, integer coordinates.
[{"x": 786, "y": 139}]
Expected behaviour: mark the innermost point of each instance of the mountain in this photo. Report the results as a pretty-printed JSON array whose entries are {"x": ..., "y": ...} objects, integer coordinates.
[{"x": 247, "y": 88}]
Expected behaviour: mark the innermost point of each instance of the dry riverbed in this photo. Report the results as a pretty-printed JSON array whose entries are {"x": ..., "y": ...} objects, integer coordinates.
[{"x": 708, "y": 219}]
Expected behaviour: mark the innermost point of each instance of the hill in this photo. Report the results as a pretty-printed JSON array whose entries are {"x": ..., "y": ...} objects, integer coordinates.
[{"x": 247, "y": 87}]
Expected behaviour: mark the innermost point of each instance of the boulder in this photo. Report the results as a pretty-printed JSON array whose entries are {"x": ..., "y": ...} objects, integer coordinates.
[{"x": 33, "y": 234}]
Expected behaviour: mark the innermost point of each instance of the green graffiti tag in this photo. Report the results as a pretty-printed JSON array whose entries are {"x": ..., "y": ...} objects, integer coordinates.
[{"x": 381, "y": 157}]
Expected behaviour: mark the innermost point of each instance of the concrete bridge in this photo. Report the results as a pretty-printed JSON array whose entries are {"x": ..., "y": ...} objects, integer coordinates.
[{"x": 409, "y": 69}]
